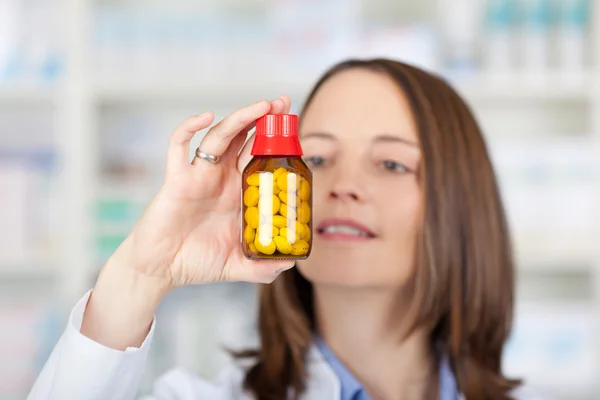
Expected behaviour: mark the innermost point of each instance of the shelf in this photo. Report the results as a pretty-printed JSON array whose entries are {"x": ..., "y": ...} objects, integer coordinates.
[
  {"x": 27, "y": 271},
  {"x": 549, "y": 86},
  {"x": 579, "y": 265},
  {"x": 27, "y": 94},
  {"x": 215, "y": 91},
  {"x": 556, "y": 253},
  {"x": 550, "y": 346},
  {"x": 554, "y": 260},
  {"x": 481, "y": 87},
  {"x": 552, "y": 86}
]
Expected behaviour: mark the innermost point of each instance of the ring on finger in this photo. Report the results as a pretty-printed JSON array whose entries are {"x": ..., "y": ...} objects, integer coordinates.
[{"x": 207, "y": 157}]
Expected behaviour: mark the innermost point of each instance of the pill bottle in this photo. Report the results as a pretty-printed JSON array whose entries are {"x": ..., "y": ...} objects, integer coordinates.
[{"x": 277, "y": 193}]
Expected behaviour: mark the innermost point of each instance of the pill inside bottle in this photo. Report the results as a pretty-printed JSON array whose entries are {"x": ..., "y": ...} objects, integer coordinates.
[{"x": 276, "y": 193}]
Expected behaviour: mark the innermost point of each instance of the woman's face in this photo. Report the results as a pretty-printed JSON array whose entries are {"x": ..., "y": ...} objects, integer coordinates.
[{"x": 360, "y": 141}]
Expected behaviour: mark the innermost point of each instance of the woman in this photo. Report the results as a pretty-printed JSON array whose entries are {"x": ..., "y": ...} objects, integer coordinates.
[{"x": 408, "y": 292}]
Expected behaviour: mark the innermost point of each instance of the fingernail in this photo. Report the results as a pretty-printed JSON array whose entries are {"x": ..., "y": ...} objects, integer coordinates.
[
  {"x": 204, "y": 114},
  {"x": 280, "y": 270}
]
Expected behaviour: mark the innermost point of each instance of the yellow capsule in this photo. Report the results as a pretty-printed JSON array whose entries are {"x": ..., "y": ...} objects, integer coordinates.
[
  {"x": 253, "y": 179},
  {"x": 279, "y": 221},
  {"x": 282, "y": 181},
  {"x": 265, "y": 249},
  {"x": 300, "y": 248},
  {"x": 287, "y": 211},
  {"x": 278, "y": 172},
  {"x": 304, "y": 191},
  {"x": 276, "y": 204},
  {"x": 249, "y": 233},
  {"x": 287, "y": 198},
  {"x": 302, "y": 231},
  {"x": 306, "y": 234},
  {"x": 288, "y": 182},
  {"x": 283, "y": 209},
  {"x": 282, "y": 245},
  {"x": 252, "y": 247},
  {"x": 276, "y": 189},
  {"x": 251, "y": 196},
  {"x": 290, "y": 235},
  {"x": 251, "y": 217},
  {"x": 304, "y": 212}
]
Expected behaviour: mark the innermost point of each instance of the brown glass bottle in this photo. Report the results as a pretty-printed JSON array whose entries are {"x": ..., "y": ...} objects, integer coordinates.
[{"x": 277, "y": 194}]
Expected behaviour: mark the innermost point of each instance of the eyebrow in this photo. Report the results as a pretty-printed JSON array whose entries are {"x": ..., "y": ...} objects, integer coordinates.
[
  {"x": 318, "y": 135},
  {"x": 387, "y": 138},
  {"x": 396, "y": 139}
]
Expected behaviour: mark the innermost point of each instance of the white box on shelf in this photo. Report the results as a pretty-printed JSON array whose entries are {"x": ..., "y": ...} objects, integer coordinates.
[{"x": 555, "y": 347}]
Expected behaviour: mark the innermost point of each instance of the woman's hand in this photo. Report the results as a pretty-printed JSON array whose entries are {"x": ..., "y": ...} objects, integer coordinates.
[{"x": 189, "y": 233}]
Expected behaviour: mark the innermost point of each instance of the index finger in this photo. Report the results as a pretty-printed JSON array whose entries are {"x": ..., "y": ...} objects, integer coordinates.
[
  {"x": 219, "y": 137},
  {"x": 179, "y": 142}
]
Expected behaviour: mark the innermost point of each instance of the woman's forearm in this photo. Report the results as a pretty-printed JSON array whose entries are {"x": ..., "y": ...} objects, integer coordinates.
[{"x": 122, "y": 305}]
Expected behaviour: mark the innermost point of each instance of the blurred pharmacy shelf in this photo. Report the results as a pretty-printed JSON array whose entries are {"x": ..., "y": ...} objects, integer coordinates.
[
  {"x": 481, "y": 87},
  {"x": 215, "y": 89},
  {"x": 555, "y": 334},
  {"x": 26, "y": 94},
  {"x": 36, "y": 270},
  {"x": 546, "y": 87},
  {"x": 82, "y": 139},
  {"x": 542, "y": 87}
]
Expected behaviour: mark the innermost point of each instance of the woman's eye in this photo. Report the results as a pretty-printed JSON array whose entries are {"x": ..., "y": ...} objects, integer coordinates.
[
  {"x": 315, "y": 161},
  {"x": 394, "y": 166}
]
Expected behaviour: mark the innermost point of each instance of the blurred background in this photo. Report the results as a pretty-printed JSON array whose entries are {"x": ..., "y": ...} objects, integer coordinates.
[{"x": 91, "y": 89}]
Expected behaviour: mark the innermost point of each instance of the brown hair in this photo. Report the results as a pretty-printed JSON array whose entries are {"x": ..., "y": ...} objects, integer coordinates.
[{"x": 463, "y": 285}]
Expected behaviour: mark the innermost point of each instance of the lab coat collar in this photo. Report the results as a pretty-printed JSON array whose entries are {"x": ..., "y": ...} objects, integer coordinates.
[{"x": 322, "y": 382}]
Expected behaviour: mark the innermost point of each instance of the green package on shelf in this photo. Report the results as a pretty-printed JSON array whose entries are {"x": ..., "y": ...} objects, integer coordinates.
[
  {"x": 117, "y": 210},
  {"x": 107, "y": 244}
]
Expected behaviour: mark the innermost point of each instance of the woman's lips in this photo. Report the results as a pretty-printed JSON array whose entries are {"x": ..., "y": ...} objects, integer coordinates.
[{"x": 344, "y": 230}]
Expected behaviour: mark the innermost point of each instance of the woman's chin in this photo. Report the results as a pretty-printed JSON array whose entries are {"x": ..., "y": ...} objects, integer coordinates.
[
  {"x": 355, "y": 268},
  {"x": 339, "y": 271}
]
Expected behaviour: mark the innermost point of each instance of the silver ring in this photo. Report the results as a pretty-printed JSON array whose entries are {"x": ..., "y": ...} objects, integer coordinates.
[{"x": 207, "y": 157}]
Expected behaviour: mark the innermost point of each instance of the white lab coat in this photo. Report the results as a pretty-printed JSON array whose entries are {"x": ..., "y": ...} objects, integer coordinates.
[{"x": 81, "y": 369}]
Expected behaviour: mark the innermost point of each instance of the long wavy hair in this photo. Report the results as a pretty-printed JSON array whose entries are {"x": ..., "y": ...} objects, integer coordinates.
[{"x": 463, "y": 283}]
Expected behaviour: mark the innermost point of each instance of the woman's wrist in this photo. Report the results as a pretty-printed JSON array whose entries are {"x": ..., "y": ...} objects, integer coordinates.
[{"x": 122, "y": 305}]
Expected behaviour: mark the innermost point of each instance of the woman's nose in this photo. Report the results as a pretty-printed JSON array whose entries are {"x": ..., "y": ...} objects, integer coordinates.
[
  {"x": 346, "y": 188},
  {"x": 344, "y": 194}
]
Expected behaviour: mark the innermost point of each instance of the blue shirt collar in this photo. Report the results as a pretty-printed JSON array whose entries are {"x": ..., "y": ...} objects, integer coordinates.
[
  {"x": 352, "y": 389},
  {"x": 448, "y": 386}
]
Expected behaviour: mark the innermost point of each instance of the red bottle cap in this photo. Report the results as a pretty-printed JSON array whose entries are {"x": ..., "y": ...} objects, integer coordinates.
[{"x": 277, "y": 135}]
